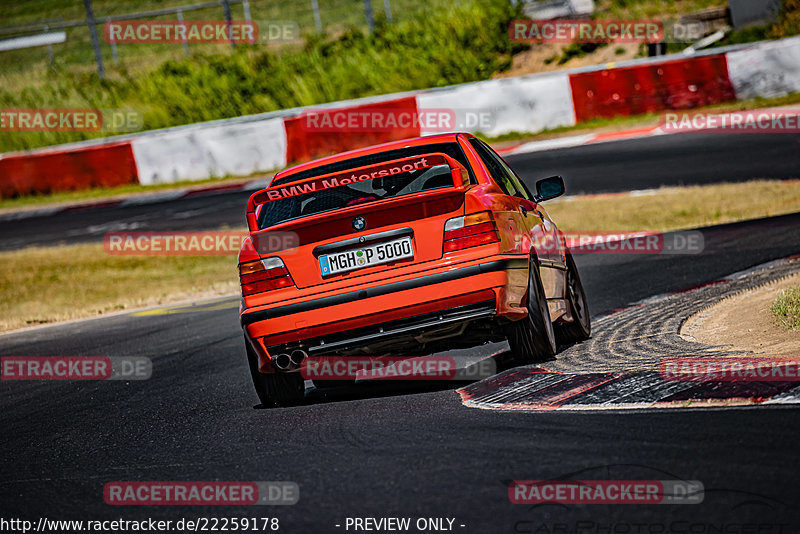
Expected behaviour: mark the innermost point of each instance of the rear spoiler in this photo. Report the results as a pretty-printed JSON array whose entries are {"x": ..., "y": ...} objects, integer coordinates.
[{"x": 357, "y": 174}]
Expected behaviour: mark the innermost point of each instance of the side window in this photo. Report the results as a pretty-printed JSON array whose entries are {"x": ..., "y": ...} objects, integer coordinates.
[
  {"x": 511, "y": 174},
  {"x": 501, "y": 172}
]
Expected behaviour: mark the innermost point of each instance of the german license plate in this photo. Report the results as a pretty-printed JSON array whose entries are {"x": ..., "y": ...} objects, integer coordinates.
[{"x": 361, "y": 258}]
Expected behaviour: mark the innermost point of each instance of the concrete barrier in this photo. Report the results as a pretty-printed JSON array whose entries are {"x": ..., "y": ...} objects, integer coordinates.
[
  {"x": 768, "y": 70},
  {"x": 219, "y": 150},
  {"x": 522, "y": 104}
]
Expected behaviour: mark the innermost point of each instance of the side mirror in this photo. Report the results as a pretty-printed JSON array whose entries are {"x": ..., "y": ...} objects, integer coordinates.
[{"x": 549, "y": 188}]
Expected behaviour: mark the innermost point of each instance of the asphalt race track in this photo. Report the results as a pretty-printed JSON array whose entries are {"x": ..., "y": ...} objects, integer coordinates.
[
  {"x": 605, "y": 167},
  {"x": 681, "y": 159},
  {"x": 398, "y": 449}
]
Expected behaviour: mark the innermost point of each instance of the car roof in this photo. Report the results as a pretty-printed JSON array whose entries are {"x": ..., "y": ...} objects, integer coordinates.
[{"x": 393, "y": 145}]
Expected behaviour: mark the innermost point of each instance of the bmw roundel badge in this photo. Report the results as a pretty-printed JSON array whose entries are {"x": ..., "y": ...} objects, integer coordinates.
[{"x": 359, "y": 223}]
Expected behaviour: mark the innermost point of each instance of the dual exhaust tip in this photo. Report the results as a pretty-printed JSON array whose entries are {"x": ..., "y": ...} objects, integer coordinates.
[{"x": 290, "y": 362}]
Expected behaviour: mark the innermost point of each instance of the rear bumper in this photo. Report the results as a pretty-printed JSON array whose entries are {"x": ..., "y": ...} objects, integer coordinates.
[
  {"x": 474, "y": 291},
  {"x": 410, "y": 326}
]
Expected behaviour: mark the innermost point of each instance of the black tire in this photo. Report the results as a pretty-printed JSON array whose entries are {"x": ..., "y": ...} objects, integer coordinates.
[
  {"x": 581, "y": 328},
  {"x": 532, "y": 339},
  {"x": 275, "y": 389}
]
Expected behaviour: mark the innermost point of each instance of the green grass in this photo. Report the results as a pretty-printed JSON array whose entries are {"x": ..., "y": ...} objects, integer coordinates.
[
  {"x": 441, "y": 44},
  {"x": 677, "y": 208},
  {"x": 786, "y": 308},
  {"x": 84, "y": 280},
  {"x": 336, "y": 15},
  {"x": 579, "y": 50},
  {"x": 431, "y": 43},
  {"x": 787, "y": 25},
  {"x": 640, "y": 9}
]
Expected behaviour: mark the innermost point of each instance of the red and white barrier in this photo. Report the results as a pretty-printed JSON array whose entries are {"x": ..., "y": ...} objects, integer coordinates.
[
  {"x": 677, "y": 84},
  {"x": 533, "y": 103},
  {"x": 71, "y": 169},
  {"x": 307, "y": 140}
]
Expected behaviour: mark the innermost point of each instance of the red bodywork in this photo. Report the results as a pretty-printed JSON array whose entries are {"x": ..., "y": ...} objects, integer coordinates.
[{"x": 473, "y": 275}]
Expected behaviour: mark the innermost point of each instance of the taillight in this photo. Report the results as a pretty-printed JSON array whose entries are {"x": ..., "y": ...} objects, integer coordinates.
[
  {"x": 470, "y": 231},
  {"x": 263, "y": 275}
]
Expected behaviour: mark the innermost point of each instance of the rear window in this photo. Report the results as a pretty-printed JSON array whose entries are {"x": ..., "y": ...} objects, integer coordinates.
[
  {"x": 372, "y": 190},
  {"x": 452, "y": 149}
]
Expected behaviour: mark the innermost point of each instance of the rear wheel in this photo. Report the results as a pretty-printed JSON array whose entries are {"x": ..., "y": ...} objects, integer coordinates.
[
  {"x": 581, "y": 328},
  {"x": 275, "y": 389},
  {"x": 532, "y": 339}
]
